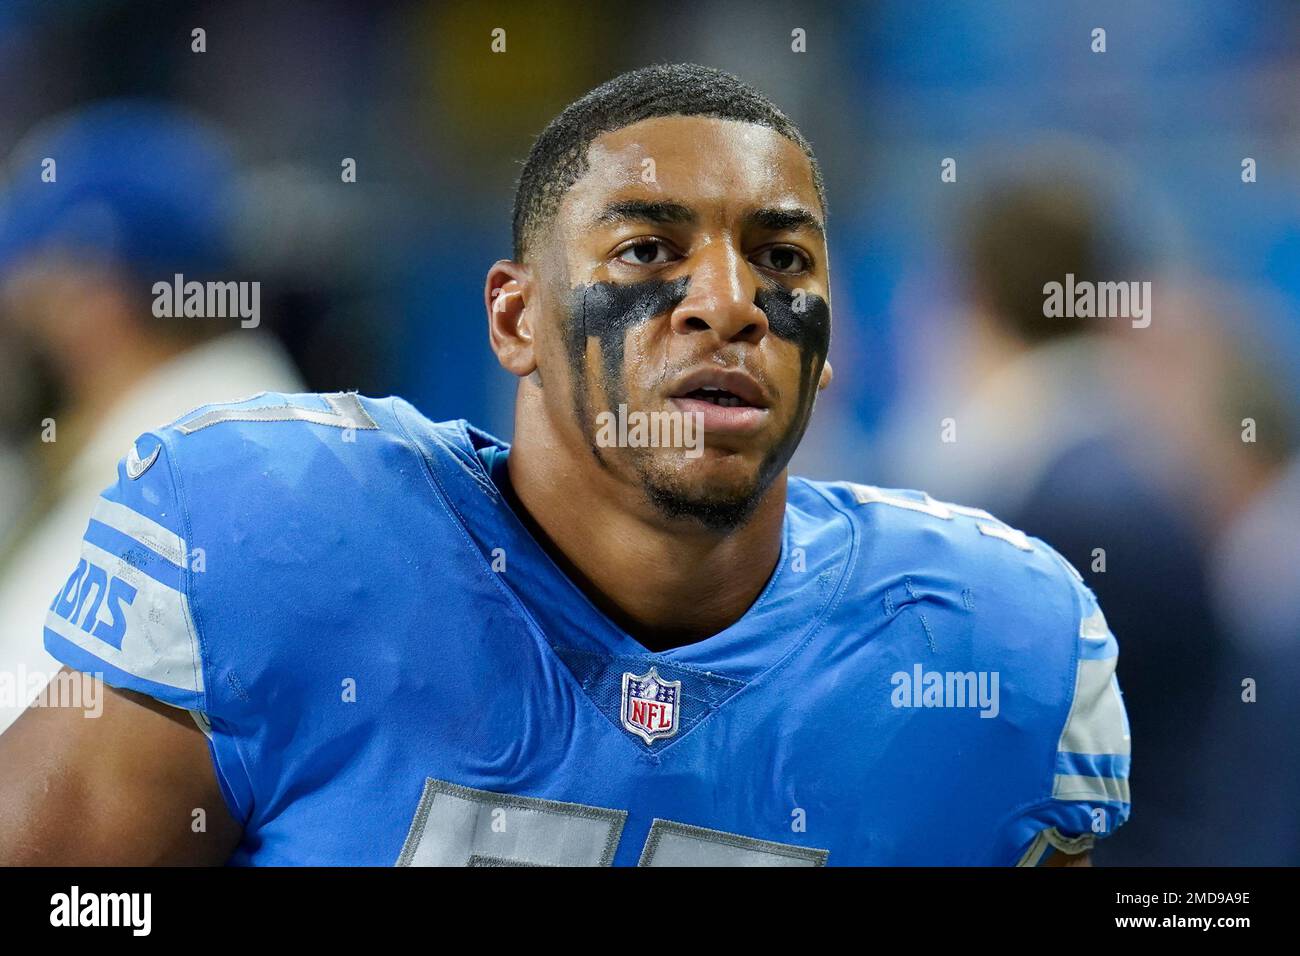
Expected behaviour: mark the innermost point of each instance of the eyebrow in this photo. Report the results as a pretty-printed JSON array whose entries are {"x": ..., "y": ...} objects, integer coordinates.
[
  {"x": 779, "y": 220},
  {"x": 644, "y": 210},
  {"x": 670, "y": 213}
]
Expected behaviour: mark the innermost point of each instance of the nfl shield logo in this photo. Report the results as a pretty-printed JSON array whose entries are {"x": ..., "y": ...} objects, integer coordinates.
[{"x": 650, "y": 705}]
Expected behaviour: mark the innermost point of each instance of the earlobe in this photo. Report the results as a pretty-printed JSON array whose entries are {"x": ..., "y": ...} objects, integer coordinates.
[
  {"x": 505, "y": 296},
  {"x": 827, "y": 375}
]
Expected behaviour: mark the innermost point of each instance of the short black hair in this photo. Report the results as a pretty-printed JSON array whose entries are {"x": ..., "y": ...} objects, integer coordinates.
[{"x": 558, "y": 157}]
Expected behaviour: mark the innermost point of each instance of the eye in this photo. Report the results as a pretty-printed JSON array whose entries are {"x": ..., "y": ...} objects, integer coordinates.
[
  {"x": 784, "y": 259},
  {"x": 645, "y": 252}
]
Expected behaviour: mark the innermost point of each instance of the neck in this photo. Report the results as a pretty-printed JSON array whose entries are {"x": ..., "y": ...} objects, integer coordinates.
[{"x": 666, "y": 583}]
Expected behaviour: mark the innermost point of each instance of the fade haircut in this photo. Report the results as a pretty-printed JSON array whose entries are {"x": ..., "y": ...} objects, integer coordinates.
[{"x": 558, "y": 158}]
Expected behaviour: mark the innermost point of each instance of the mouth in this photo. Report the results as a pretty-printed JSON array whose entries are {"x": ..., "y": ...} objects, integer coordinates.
[
  {"x": 716, "y": 396},
  {"x": 727, "y": 400},
  {"x": 726, "y": 388}
]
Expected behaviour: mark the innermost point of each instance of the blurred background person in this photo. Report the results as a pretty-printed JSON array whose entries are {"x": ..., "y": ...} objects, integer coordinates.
[
  {"x": 1218, "y": 396},
  {"x": 1253, "y": 763},
  {"x": 138, "y": 193}
]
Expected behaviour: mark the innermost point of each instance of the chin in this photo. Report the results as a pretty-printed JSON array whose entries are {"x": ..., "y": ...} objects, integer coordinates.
[
  {"x": 713, "y": 470},
  {"x": 718, "y": 490}
]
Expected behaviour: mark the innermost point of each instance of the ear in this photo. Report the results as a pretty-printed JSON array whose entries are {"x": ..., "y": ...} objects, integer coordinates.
[
  {"x": 827, "y": 375},
  {"x": 510, "y": 329}
]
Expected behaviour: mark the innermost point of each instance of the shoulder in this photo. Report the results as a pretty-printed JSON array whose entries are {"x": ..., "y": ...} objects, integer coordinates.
[
  {"x": 228, "y": 506},
  {"x": 279, "y": 449},
  {"x": 910, "y": 535},
  {"x": 308, "y": 489},
  {"x": 279, "y": 424},
  {"x": 992, "y": 597}
]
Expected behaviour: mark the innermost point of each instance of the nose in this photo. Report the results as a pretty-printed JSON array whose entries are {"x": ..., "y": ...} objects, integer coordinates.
[{"x": 720, "y": 298}]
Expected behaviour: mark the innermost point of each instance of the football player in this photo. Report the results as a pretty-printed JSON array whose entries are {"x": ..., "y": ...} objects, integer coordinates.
[{"x": 340, "y": 633}]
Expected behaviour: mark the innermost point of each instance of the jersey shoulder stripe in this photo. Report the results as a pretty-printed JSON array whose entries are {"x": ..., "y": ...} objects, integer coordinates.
[{"x": 124, "y": 611}]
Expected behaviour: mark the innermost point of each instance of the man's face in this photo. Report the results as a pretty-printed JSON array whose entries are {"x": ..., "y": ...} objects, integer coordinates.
[{"x": 686, "y": 273}]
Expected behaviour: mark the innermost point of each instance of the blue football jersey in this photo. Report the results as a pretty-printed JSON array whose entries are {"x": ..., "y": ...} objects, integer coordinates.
[{"x": 391, "y": 670}]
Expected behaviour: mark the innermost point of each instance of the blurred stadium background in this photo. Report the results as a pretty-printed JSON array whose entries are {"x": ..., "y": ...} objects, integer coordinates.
[{"x": 1123, "y": 165}]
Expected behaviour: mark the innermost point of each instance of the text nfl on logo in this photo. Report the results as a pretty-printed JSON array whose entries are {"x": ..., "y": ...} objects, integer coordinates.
[{"x": 650, "y": 705}]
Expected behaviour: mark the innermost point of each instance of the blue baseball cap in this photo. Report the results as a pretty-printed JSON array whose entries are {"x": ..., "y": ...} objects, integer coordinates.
[{"x": 135, "y": 182}]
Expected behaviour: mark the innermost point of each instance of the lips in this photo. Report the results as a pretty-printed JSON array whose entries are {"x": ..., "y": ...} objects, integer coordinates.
[
  {"x": 727, "y": 401},
  {"x": 726, "y": 388}
]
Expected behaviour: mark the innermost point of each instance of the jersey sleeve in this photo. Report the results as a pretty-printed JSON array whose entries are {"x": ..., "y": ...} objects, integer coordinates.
[
  {"x": 124, "y": 612},
  {"x": 1089, "y": 786}
]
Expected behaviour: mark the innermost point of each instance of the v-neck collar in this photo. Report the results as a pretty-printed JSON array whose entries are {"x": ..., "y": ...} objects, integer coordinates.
[{"x": 788, "y": 611}]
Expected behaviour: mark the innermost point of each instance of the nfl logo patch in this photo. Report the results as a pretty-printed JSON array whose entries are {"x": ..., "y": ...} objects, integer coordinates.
[{"x": 650, "y": 705}]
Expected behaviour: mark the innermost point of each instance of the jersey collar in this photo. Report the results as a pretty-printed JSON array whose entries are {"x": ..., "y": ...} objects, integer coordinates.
[{"x": 817, "y": 551}]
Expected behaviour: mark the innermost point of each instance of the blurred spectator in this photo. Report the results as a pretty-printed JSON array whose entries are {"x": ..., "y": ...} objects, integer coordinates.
[
  {"x": 137, "y": 193},
  {"x": 1253, "y": 787},
  {"x": 1229, "y": 416}
]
